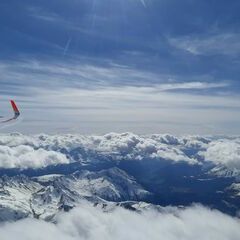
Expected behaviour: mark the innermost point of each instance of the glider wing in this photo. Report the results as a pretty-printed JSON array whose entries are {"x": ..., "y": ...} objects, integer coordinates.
[
  {"x": 16, "y": 113},
  {"x": 15, "y": 109}
]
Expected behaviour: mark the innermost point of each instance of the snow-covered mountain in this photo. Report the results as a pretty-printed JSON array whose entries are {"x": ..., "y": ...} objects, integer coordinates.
[
  {"x": 15, "y": 197},
  {"x": 42, "y": 197},
  {"x": 42, "y": 175}
]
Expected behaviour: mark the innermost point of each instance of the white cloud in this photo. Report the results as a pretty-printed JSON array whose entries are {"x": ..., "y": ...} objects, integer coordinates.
[
  {"x": 88, "y": 223},
  {"x": 39, "y": 151},
  {"x": 107, "y": 76},
  {"x": 23, "y": 156},
  {"x": 223, "y": 43},
  {"x": 36, "y": 151},
  {"x": 190, "y": 85},
  {"x": 224, "y": 152},
  {"x": 138, "y": 109},
  {"x": 91, "y": 98},
  {"x": 131, "y": 147}
]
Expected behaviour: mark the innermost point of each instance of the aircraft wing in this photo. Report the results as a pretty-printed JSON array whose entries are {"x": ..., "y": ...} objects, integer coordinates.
[{"x": 16, "y": 113}]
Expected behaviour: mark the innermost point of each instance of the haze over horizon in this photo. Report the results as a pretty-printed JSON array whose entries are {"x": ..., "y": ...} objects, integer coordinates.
[{"x": 93, "y": 67}]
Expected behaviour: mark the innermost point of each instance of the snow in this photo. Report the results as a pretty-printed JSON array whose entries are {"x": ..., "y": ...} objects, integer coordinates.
[{"x": 21, "y": 196}]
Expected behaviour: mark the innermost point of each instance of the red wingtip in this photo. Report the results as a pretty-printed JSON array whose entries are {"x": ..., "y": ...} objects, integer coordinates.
[{"x": 14, "y": 106}]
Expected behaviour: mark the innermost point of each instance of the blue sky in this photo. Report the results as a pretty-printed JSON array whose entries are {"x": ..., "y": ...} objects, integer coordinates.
[{"x": 146, "y": 66}]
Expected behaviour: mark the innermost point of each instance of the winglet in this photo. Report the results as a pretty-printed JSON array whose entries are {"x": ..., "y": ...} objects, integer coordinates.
[{"x": 15, "y": 109}]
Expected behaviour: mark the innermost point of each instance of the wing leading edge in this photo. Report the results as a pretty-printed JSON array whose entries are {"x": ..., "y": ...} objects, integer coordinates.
[{"x": 16, "y": 113}]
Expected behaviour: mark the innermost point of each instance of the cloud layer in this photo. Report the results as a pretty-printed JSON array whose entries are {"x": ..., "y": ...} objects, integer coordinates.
[
  {"x": 89, "y": 97},
  {"x": 39, "y": 151},
  {"x": 89, "y": 223}
]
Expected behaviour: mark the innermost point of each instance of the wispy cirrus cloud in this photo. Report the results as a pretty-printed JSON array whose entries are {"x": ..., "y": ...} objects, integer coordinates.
[
  {"x": 88, "y": 75},
  {"x": 39, "y": 13},
  {"x": 209, "y": 44},
  {"x": 114, "y": 95}
]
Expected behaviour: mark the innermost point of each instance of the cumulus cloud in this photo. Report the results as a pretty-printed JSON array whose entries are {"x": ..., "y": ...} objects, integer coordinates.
[
  {"x": 88, "y": 223},
  {"x": 131, "y": 147},
  {"x": 225, "y": 152},
  {"x": 37, "y": 151},
  {"x": 23, "y": 156}
]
